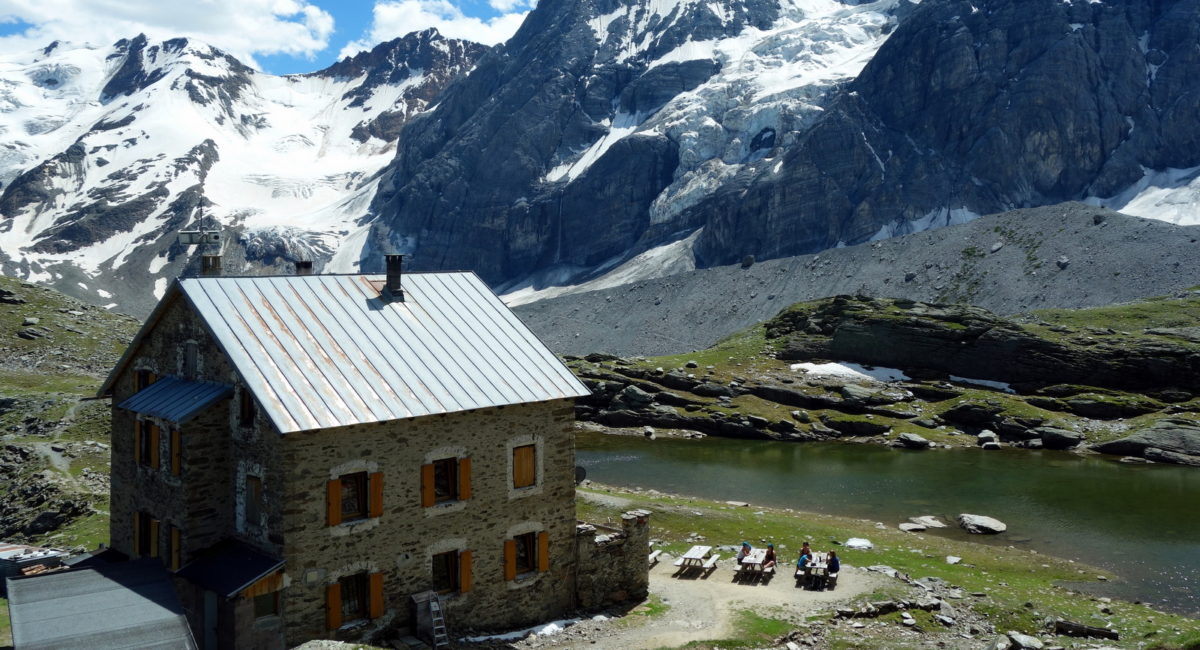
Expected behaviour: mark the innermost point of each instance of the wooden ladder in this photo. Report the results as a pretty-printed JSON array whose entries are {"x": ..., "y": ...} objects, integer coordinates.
[{"x": 440, "y": 638}]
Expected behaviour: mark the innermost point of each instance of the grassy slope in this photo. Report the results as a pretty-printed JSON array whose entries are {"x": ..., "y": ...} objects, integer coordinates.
[
  {"x": 5, "y": 625},
  {"x": 1008, "y": 576}
]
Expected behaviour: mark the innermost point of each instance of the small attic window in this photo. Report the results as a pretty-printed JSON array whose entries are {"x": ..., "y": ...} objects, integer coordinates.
[{"x": 191, "y": 354}]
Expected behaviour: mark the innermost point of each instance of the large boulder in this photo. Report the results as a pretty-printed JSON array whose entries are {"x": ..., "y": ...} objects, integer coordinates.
[
  {"x": 982, "y": 525},
  {"x": 1055, "y": 438},
  {"x": 913, "y": 441},
  {"x": 1175, "y": 440},
  {"x": 928, "y": 521}
]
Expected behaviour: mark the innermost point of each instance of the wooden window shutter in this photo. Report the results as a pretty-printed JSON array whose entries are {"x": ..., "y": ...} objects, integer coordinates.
[
  {"x": 464, "y": 479},
  {"x": 137, "y": 534},
  {"x": 176, "y": 452},
  {"x": 428, "y": 495},
  {"x": 524, "y": 466},
  {"x": 543, "y": 551},
  {"x": 464, "y": 571},
  {"x": 510, "y": 559},
  {"x": 153, "y": 538},
  {"x": 333, "y": 505},
  {"x": 375, "y": 501},
  {"x": 154, "y": 446},
  {"x": 176, "y": 549},
  {"x": 333, "y": 606},
  {"x": 376, "y": 589},
  {"x": 138, "y": 432}
]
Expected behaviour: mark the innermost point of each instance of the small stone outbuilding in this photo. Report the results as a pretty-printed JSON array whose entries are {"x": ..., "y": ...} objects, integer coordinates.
[{"x": 311, "y": 456}]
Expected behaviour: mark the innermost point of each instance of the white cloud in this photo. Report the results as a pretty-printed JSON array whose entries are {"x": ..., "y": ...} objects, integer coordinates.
[
  {"x": 243, "y": 28},
  {"x": 395, "y": 18}
]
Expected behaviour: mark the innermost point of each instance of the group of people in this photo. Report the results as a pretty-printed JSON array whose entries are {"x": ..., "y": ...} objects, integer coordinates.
[{"x": 806, "y": 557}]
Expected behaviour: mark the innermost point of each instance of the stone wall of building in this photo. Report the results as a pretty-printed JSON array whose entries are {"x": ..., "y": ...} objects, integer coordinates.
[
  {"x": 613, "y": 564},
  {"x": 401, "y": 543}
]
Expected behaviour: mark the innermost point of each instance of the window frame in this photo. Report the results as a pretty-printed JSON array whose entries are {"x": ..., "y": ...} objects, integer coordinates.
[
  {"x": 357, "y": 584},
  {"x": 252, "y": 515},
  {"x": 527, "y": 542},
  {"x": 452, "y": 570},
  {"x": 362, "y": 483},
  {"x": 247, "y": 409},
  {"x": 259, "y": 600},
  {"x": 446, "y": 470}
]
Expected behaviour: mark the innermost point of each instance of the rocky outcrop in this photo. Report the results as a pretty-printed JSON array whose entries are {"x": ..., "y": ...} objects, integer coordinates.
[
  {"x": 981, "y": 524},
  {"x": 973, "y": 342},
  {"x": 1172, "y": 440}
]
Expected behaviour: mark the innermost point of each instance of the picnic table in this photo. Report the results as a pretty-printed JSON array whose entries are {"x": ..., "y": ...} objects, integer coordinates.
[
  {"x": 815, "y": 573},
  {"x": 754, "y": 559},
  {"x": 698, "y": 557}
]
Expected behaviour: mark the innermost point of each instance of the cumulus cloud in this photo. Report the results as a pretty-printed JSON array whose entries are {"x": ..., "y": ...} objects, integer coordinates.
[
  {"x": 244, "y": 28},
  {"x": 395, "y": 18}
]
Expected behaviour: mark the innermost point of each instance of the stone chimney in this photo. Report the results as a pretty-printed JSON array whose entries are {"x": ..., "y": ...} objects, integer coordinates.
[{"x": 392, "y": 286}]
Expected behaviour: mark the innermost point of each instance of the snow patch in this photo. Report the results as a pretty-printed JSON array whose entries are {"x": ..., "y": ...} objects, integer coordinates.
[
  {"x": 931, "y": 221},
  {"x": 546, "y": 629},
  {"x": 1171, "y": 195},
  {"x": 846, "y": 370},
  {"x": 998, "y": 385},
  {"x": 160, "y": 288}
]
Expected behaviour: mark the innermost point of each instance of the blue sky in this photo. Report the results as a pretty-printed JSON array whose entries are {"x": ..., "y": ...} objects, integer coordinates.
[{"x": 277, "y": 36}]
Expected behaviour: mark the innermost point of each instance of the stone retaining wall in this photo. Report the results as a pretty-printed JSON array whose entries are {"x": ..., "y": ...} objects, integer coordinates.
[{"x": 613, "y": 565}]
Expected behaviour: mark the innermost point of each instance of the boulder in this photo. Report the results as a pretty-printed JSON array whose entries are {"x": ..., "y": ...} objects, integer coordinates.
[
  {"x": 708, "y": 389},
  {"x": 972, "y": 413},
  {"x": 851, "y": 426},
  {"x": 913, "y": 441},
  {"x": 982, "y": 525},
  {"x": 987, "y": 436},
  {"x": 1176, "y": 439},
  {"x": 1055, "y": 438},
  {"x": 990, "y": 446},
  {"x": 928, "y": 521},
  {"x": 859, "y": 543},
  {"x": 632, "y": 398},
  {"x": 1020, "y": 641},
  {"x": 911, "y": 528}
]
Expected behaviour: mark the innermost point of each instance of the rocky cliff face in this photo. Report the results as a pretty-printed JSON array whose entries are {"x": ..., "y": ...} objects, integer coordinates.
[
  {"x": 605, "y": 128},
  {"x": 111, "y": 151}
]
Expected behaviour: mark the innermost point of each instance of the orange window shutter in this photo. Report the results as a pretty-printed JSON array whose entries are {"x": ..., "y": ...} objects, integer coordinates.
[
  {"x": 464, "y": 479},
  {"x": 375, "y": 503},
  {"x": 154, "y": 451},
  {"x": 376, "y": 595},
  {"x": 138, "y": 432},
  {"x": 333, "y": 606},
  {"x": 428, "y": 496},
  {"x": 524, "y": 466},
  {"x": 176, "y": 452},
  {"x": 510, "y": 559},
  {"x": 333, "y": 505},
  {"x": 153, "y": 538},
  {"x": 137, "y": 534},
  {"x": 543, "y": 551},
  {"x": 464, "y": 571}
]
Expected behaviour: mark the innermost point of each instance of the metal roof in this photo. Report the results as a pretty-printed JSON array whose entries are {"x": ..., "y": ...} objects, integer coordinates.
[
  {"x": 229, "y": 567},
  {"x": 126, "y": 605},
  {"x": 174, "y": 399},
  {"x": 321, "y": 351}
]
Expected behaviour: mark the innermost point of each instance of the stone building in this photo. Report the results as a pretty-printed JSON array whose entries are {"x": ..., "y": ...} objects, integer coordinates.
[{"x": 312, "y": 455}]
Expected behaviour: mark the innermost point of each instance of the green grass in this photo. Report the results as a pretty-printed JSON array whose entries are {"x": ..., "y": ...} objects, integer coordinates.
[
  {"x": 87, "y": 532},
  {"x": 5, "y": 625},
  {"x": 1010, "y": 577}
]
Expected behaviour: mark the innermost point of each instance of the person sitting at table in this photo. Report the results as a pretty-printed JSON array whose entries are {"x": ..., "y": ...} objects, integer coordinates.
[
  {"x": 805, "y": 550},
  {"x": 804, "y": 561},
  {"x": 769, "y": 559},
  {"x": 743, "y": 552},
  {"x": 834, "y": 564}
]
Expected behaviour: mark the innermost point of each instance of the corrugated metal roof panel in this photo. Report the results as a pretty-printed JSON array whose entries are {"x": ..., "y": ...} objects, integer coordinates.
[
  {"x": 323, "y": 351},
  {"x": 174, "y": 399}
]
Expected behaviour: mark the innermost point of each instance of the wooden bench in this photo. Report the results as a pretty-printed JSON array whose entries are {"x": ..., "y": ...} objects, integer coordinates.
[
  {"x": 679, "y": 562},
  {"x": 654, "y": 556},
  {"x": 831, "y": 580},
  {"x": 711, "y": 561},
  {"x": 769, "y": 570}
]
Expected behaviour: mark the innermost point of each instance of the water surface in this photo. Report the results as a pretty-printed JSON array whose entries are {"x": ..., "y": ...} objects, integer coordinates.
[{"x": 1141, "y": 522}]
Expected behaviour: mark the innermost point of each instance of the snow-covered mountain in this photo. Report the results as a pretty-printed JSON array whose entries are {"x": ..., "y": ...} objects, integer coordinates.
[
  {"x": 107, "y": 152},
  {"x": 607, "y": 133},
  {"x": 606, "y": 142}
]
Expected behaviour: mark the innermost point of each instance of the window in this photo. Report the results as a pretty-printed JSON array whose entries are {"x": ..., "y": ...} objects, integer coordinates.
[
  {"x": 253, "y": 500},
  {"x": 266, "y": 605},
  {"x": 247, "y": 410},
  {"x": 175, "y": 558},
  {"x": 176, "y": 452},
  {"x": 191, "y": 358},
  {"x": 354, "y": 597},
  {"x": 445, "y": 480},
  {"x": 352, "y": 497},
  {"x": 524, "y": 466},
  {"x": 144, "y": 378},
  {"x": 145, "y": 535},
  {"x": 526, "y": 553},
  {"x": 146, "y": 444},
  {"x": 445, "y": 572}
]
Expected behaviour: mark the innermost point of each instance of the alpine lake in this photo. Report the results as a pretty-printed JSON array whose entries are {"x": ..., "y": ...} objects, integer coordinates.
[{"x": 1140, "y": 522}]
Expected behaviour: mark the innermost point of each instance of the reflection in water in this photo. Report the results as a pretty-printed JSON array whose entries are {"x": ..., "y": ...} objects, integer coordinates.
[{"x": 1141, "y": 521}]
